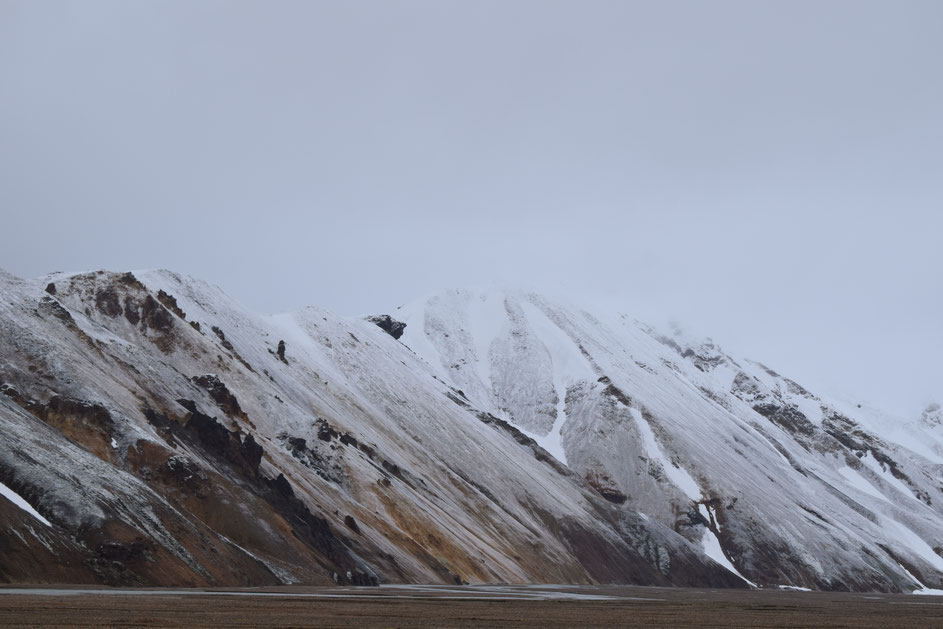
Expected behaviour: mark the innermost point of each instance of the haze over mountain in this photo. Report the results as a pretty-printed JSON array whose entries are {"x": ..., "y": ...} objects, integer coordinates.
[
  {"x": 767, "y": 174},
  {"x": 719, "y": 365}
]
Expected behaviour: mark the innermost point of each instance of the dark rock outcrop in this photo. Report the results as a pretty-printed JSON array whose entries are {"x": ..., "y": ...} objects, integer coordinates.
[
  {"x": 155, "y": 316},
  {"x": 388, "y": 324},
  {"x": 170, "y": 302},
  {"x": 280, "y": 352},
  {"x": 226, "y": 401}
]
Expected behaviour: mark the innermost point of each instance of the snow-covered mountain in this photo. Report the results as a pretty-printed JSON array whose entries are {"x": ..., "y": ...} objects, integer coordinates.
[
  {"x": 777, "y": 484},
  {"x": 154, "y": 431}
]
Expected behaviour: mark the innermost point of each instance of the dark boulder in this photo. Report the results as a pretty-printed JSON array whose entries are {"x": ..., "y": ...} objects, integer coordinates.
[
  {"x": 280, "y": 352},
  {"x": 351, "y": 523},
  {"x": 388, "y": 324}
]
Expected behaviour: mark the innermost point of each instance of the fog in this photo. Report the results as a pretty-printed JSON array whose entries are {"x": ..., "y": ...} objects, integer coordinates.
[{"x": 768, "y": 174}]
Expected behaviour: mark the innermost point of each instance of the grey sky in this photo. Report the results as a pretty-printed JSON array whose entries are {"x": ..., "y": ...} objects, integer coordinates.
[{"x": 769, "y": 173}]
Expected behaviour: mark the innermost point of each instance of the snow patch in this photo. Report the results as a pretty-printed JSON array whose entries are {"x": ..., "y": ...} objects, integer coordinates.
[
  {"x": 869, "y": 460},
  {"x": 414, "y": 336},
  {"x": 812, "y": 409},
  {"x": 860, "y": 483},
  {"x": 924, "y": 590},
  {"x": 708, "y": 513},
  {"x": 914, "y": 542},
  {"x": 19, "y": 501},
  {"x": 569, "y": 366},
  {"x": 684, "y": 481},
  {"x": 712, "y": 548},
  {"x": 487, "y": 318},
  {"x": 550, "y": 442}
]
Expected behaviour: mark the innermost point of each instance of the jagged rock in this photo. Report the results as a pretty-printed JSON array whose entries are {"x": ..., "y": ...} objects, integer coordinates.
[
  {"x": 280, "y": 352},
  {"x": 789, "y": 418},
  {"x": 604, "y": 486},
  {"x": 155, "y": 316},
  {"x": 170, "y": 302},
  {"x": 388, "y": 324},
  {"x": 107, "y": 301},
  {"x": 223, "y": 397},
  {"x": 222, "y": 338}
]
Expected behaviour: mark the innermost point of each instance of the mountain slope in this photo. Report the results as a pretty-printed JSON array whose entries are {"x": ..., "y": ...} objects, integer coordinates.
[
  {"x": 163, "y": 434},
  {"x": 781, "y": 486}
]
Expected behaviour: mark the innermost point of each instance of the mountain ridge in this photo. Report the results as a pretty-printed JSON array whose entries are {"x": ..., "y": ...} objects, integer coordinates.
[
  {"x": 667, "y": 389},
  {"x": 300, "y": 448},
  {"x": 308, "y": 447}
]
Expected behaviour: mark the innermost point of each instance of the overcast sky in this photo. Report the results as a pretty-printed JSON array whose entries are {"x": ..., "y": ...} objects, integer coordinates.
[{"x": 767, "y": 173}]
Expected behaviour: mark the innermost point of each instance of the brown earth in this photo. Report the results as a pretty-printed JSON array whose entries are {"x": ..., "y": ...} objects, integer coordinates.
[{"x": 470, "y": 607}]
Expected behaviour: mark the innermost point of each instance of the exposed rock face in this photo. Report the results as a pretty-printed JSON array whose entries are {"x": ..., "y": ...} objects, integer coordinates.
[
  {"x": 388, "y": 324},
  {"x": 170, "y": 302},
  {"x": 226, "y": 401},
  {"x": 160, "y": 454}
]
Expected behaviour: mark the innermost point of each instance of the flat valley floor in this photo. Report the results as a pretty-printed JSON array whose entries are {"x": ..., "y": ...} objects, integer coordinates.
[{"x": 469, "y": 606}]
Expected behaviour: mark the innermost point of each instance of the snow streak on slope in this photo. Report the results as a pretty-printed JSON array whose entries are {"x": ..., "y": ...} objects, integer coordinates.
[
  {"x": 569, "y": 368},
  {"x": 798, "y": 485},
  {"x": 712, "y": 547},
  {"x": 485, "y": 324},
  {"x": 19, "y": 501},
  {"x": 681, "y": 479},
  {"x": 487, "y": 320},
  {"x": 173, "y": 437}
]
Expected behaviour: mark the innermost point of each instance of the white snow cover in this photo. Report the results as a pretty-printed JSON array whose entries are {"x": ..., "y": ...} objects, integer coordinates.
[
  {"x": 860, "y": 483},
  {"x": 569, "y": 368},
  {"x": 869, "y": 460},
  {"x": 801, "y": 490},
  {"x": 19, "y": 501},
  {"x": 678, "y": 476},
  {"x": 433, "y": 479},
  {"x": 713, "y": 549},
  {"x": 670, "y": 421}
]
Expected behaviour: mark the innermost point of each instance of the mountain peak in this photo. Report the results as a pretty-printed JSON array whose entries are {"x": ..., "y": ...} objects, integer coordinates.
[{"x": 501, "y": 421}]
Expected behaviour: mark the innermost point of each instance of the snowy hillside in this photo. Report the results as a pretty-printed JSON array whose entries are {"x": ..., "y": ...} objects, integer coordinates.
[
  {"x": 775, "y": 483},
  {"x": 156, "y": 432}
]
